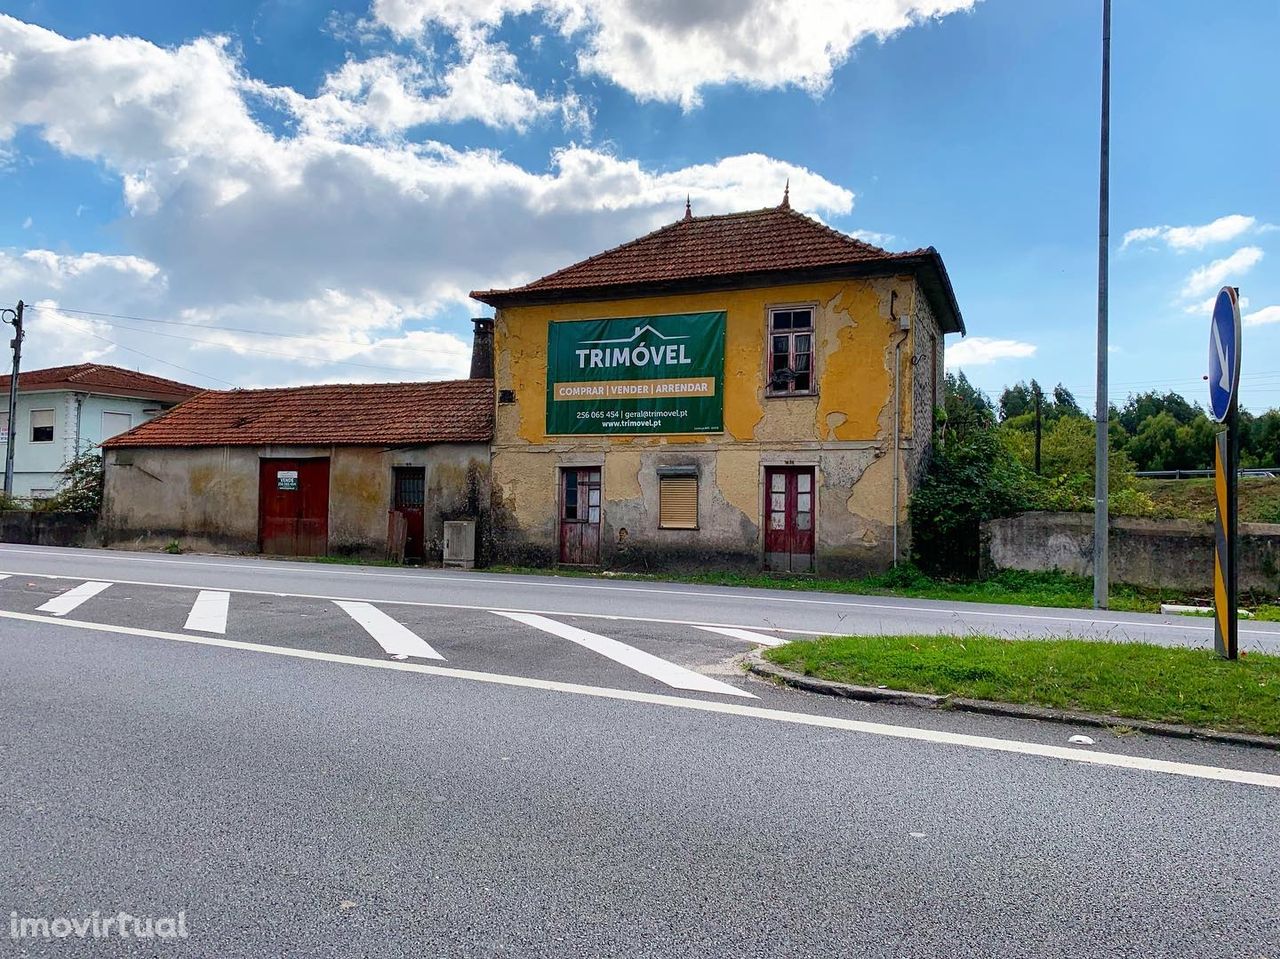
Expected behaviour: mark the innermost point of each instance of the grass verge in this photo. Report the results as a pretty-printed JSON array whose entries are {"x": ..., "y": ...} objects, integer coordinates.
[
  {"x": 1131, "y": 680},
  {"x": 1008, "y": 587}
]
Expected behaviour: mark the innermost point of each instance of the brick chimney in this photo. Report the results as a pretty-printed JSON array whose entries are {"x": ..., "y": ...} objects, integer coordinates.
[{"x": 482, "y": 349}]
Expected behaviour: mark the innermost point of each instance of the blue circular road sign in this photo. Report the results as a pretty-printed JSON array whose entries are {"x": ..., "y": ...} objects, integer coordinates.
[{"x": 1224, "y": 353}]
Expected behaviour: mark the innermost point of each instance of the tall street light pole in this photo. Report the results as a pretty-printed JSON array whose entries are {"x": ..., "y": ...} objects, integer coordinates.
[{"x": 1102, "y": 412}]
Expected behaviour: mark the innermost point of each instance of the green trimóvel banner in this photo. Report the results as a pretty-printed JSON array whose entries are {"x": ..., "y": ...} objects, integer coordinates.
[{"x": 636, "y": 376}]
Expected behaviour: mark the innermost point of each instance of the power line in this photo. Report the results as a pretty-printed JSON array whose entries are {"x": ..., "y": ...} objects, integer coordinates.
[
  {"x": 241, "y": 329},
  {"x": 247, "y": 349},
  {"x": 185, "y": 369}
]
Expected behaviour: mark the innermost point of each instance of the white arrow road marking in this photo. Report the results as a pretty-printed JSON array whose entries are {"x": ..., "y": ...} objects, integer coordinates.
[
  {"x": 1225, "y": 382},
  {"x": 209, "y": 612},
  {"x": 390, "y": 635},
  {"x": 746, "y": 635},
  {"x": 1090, "y": 757},
  {"x": 65, "y": 603},
  {"x": 629, "y": 656}
]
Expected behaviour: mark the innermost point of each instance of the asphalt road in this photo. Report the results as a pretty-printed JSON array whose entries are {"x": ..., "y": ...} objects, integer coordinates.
[{"x": 563, "y": 768}]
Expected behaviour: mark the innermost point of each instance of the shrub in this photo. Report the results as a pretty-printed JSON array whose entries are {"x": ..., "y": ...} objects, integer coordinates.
[
  {"x": 972, "y": 477},
  {"x": 81, "y": 491}
]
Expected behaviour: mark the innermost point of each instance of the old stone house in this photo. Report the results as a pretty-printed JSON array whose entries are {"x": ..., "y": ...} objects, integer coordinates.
[
  {"x": 341, "y": 470},
  {"x": 755, "y": 389}
]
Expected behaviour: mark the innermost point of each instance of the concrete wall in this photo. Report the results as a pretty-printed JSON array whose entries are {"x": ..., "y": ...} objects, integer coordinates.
[
  {"x": 37, "y": 528},
  {"x": 207, "y": 497},
  {"x": 846, "y": 431},
  {"x": 1144, "y": 552}
]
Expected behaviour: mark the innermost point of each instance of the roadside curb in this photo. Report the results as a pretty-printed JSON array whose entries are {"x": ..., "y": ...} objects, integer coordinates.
[{"x": 757, "y": 665}]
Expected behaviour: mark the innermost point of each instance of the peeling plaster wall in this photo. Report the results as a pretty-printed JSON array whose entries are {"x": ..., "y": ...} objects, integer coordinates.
[
  {"x": 207, "y": 497},
  {"x": 845, "y": 432}
]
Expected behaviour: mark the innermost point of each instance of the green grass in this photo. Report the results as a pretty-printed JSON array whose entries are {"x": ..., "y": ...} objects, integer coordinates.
[
  {"x": 1008, "y": 587},
  {"x": 1194, "y": 498},
  {"x": 1130, "y": 680}
]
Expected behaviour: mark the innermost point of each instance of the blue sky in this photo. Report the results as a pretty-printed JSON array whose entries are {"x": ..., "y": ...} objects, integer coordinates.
[{"x": 308, "y": 192}]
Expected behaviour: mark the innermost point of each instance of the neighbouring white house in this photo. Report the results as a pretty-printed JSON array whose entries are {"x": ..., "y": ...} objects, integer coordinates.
[{"x": 64, "y": 410}]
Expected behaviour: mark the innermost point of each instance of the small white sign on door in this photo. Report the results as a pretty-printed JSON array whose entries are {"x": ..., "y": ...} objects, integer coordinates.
[{"x": 286, "y": 479}]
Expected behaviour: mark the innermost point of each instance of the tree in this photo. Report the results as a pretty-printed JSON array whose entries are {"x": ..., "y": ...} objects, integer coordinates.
[
  {"x": 1017, "y": 400},
  {"x": 965, "y": 408},
  {"x": 1064, "y": 403},
  {"x": 1141, "y": 407}
]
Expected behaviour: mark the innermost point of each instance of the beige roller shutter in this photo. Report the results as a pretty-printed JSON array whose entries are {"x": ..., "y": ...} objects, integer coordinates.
[{"x": 678, "y": 502}]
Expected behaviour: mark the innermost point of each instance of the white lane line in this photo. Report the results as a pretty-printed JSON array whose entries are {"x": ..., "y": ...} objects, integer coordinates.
[
  {"x": 590, "y": 615},
  {"x": 62, "y": 604},
  {"x": 390, "y": 635},
  {"x": 484, "y": 579},
  {"x": 746, "y": 635},
  {"x": 209, "y": 611},
  {"x": 629, "y": 656},
  {"x": 1084, "y": 756}
]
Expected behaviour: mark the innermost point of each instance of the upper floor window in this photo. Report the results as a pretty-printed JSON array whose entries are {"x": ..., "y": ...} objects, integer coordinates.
[
  {"x": 791, "y": 351},
  {"x": 113, "y": 424},
  {"x": 42, "y": 426}
]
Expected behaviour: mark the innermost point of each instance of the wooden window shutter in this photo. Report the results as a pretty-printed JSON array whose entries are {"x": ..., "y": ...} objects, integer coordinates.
[{"x": 678, "y": 502}]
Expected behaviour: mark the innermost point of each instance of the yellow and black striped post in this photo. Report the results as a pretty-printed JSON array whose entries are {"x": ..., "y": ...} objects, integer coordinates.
[{"x": 1225, "y": 619}]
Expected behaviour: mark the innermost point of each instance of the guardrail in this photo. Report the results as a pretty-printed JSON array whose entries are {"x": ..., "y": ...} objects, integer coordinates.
[{"x": 1268, "y": 473}]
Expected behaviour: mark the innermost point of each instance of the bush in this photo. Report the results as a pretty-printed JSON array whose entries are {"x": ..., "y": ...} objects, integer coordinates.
[
  {"x": 973, "y": 477},
  {"x": 81, "y": 491}
]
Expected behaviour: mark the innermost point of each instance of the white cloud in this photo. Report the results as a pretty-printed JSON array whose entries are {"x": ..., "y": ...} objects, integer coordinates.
[
  {"x": 981, "y": 350},
  {"x": 670, "y": 50},
  {"x": 1216, "y": 274},
  {"x": 1184, "y": 238},
  {"x": 373, "y": 242},
  {"x": 1263, "y": 317}
]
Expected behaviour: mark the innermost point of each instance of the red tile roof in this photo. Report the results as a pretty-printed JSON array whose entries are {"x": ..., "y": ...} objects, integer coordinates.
[
  {"x": 719, "y": 249},
  {"x": 100, "y": 378},
  {"x": 377, "y": 414}
]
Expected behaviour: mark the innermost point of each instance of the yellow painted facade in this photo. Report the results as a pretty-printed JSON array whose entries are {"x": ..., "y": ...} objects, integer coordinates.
[{"x": 845, "y": 432}]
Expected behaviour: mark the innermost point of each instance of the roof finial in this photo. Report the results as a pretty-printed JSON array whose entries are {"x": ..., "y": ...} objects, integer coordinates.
[
  {"x": 688, "y": 210},
  {"x": 786, "y": 195}
]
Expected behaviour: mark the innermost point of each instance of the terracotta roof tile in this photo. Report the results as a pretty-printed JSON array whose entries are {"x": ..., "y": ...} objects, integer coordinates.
[
  {"x": 100, "y": 376},
  {"x": 721, "y": 249},
  {"x": 383, "y": 414},
  {"x": 777, "y": 238}
]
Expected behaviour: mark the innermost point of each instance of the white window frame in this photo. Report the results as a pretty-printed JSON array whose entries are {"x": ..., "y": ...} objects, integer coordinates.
[
  {"x": 31, "y": 419},
  {"x": 103, "y": 422}
]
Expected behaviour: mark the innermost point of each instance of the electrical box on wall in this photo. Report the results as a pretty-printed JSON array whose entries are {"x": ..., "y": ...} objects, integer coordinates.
[{"x": 460, "y": 543}]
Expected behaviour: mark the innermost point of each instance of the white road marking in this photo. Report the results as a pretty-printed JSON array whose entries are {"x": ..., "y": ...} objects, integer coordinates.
[
  {"x": 390, "y": 635},
  {"x": 1273, "y": 634},
  {"x": 64, "y": 603},
  {"x": 1083, "y": 756},
  {"x": 746, "y": 635},
  {"x": 209, "y": 611},
  {"x": 637, "y": 659},
  {"x": 492, "y": 580}
]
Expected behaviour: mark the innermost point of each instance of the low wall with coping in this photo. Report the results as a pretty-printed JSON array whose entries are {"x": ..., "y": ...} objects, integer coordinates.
[
  {"x": 49, "y": 528},
  {"x": 1172, "y": 553}
]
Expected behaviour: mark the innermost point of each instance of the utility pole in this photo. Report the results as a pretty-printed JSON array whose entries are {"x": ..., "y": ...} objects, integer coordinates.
[
  {"x": 1036, "y": 388},
  {"x": 1101, "y": 525},
  {"x": 14, "y": 318}
]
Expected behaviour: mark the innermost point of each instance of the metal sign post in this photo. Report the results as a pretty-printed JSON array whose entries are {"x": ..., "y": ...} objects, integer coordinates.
[{"x": 1224, "y": 407}]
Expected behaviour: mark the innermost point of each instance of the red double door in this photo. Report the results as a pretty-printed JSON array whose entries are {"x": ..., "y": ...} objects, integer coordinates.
[
  {"x": 293, "y": 506},
  {"x": 790, "y": 497}
]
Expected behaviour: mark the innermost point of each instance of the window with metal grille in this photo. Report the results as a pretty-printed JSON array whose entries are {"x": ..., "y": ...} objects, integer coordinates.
[
  {"x": 790, "y": 352},
  {"x": 678, "y": 502}
]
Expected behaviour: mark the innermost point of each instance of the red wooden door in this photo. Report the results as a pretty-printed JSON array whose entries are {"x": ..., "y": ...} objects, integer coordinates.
[
  {"x": 409, "y": 497},
  {"x": 580, "y": 516},
  {"x": 293, "y": 506},
  {"x": 788, "y": 529}
]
